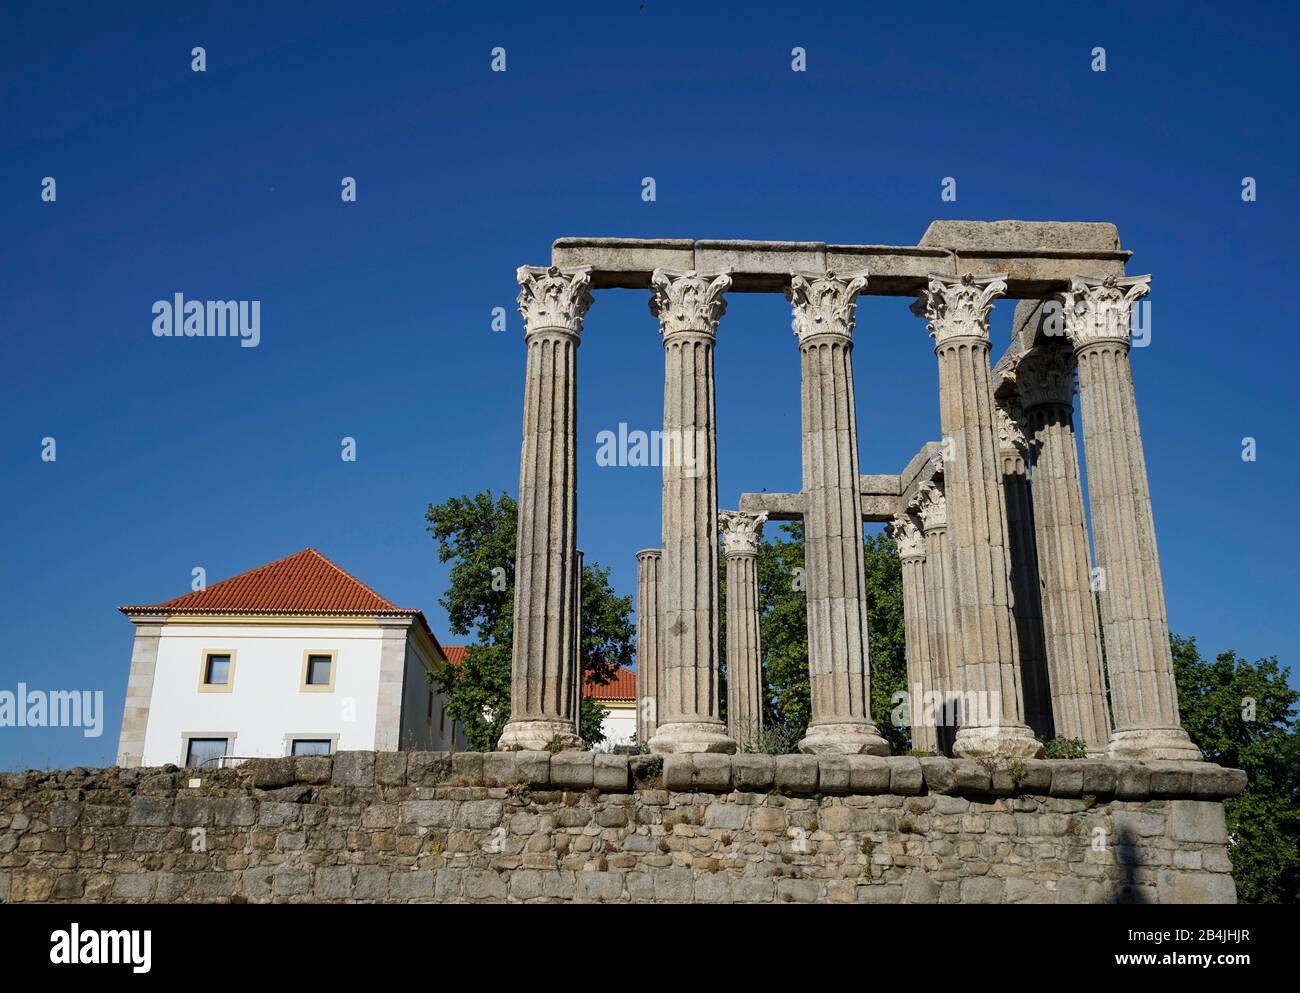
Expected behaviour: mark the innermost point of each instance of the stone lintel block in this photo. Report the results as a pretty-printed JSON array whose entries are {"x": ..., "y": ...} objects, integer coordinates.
[
  {"x": 748, "y": 261},
  {"x": 1035, "y": 777},
  {"x": 711, "y": 771},
  {"x": 624, "y": 262},
  {"x": 796, "y": 773},
  {"x": 315, "y": 770},
  {"x": 390, "y": 768},
  {"x": 905, "y": 777},
  {"x": 533, "y": 769},
  {"x": 573, "y": 770},
  {"x": 777, "y": 506},
  {"x": 753, "y": 773},
  {"x": 868, "y": 774},
  {"x": 466, "y": 769},
  {"x": 1098, "y": 236},
  {"x": 270, "y": 774},
  {"x": 1067, "y": 779},
  {"x": 611, "y": 773},
  {"x": 833, "y": 774},
  {"x": 877, "y": 484},
  {"x": 354, "y": 769},
  {"x": 880, "y": 509},
  {"x": 938, "y": 774}
]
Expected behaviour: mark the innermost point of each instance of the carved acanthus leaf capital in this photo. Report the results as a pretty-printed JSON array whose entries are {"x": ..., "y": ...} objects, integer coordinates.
[
  {"x": 1101, "y": 309},
  {"x": 931, "y": 507},
  {"x": 1045, "y": 375},
  {"x": 553, "y": 298},
  {"x": 825, "y": 303},
  {"x": 688, "y": 301},
  {"x": 959, "y": 306},
  {"x": 907, "y": 536},
  {"x": 1010, "y": 424},
  {"x": 740, "y": 531}
]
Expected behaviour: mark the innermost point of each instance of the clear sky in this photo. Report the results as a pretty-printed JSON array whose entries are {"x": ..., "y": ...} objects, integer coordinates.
[{"x": 376, "y": 315}]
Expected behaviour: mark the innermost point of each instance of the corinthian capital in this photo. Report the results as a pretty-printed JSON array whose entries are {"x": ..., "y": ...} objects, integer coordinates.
[
  {"x": 958, "y": 306},
  {"x": 907, "y": 536},
  {"x": 688, "y": 301},
  {"x": 931, "y": 507},
  {"x": 825, "y": 303},
  {"x": 553, "y": 298},
  {"x": 1045, "y": 375},
  {"x": 1011, "y": 433},
  {"x": 740, "y": 532},
  {"x": 1101, "y": 309}
]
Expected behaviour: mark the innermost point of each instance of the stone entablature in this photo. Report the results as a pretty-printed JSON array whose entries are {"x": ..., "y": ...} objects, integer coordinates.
[{"x": 416, "y": 827}]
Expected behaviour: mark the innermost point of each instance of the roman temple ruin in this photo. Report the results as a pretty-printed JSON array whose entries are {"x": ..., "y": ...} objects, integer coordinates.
[{"x": 1001, "y": 591}]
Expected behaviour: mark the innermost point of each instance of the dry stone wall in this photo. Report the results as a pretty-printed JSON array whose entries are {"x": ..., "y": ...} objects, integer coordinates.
[{"x": 417, "y": 827}]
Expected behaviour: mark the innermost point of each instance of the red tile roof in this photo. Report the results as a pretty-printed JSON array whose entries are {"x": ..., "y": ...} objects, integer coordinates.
[
  {"x": 621, "y": 687},
  {"x": 303, "y": 583}
]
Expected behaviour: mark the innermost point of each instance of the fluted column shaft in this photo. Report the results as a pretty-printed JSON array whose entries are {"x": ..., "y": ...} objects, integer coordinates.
[
  {"x": 740, "y": 536},
  {"x": 689, "y": 307},
  {"x": 839, "y": 671},
  {"x": 544, "y": 664},
  {"x": 647, "y": 642},
  {"x": 1138, "y": 655},
  {"x": 1027, "y": 604},
  {"x": 907, "y": 536},
  {"x": 1045, "y": 380},
  {"x": 940, "y": 608},
  {"x": 992, "y": 708}
]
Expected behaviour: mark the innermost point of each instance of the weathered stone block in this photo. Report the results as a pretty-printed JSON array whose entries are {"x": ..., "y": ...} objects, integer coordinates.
[
  {"x": 1195, "y": 887},
  {"x": 610, "y": 773},
  {"x": 466, "y": 769},
  {"x": 753, "y": 773},
  {"x": 833, "y": 774},
  {"x": 726, "y": 816},
  {"x": 428, "y": 768},
  {"x": 573, "y": 770},
  {"x": 938, "y": 775},
  {"x": 501, "y": 769},
  {"x": 970, "y": 777},
  {"x": 796, "y": 773},
  {"x": 905, "y": 776},
  {"x": 315, "y": 770},
  {"x": 270, "y": 774},
  {"x": 152, "y": 811},
  {"x": 354, "y": 769},
  {"x": 1198, "y": 820},
  {"x": 413, "y": 885},
  {"x": 534, "y": 769},
  {"x": 711, "y": 771},
  {"x": 390, "y": 768},
  {"x": 868, "y": 774},
  {"x": 1067, "y": 778}
]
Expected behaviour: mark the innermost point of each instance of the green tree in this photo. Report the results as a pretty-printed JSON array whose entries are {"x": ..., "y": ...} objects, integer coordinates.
[
  {"x": 1241, "y": 715},
  {"x": 477, "y": 534}
]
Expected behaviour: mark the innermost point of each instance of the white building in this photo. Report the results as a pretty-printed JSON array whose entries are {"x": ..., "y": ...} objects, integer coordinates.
[
  {"x": 618, "y": 697},
  {"x": 293, "y": 658}
]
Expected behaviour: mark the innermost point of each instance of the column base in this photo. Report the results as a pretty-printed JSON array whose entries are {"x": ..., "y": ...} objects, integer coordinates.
[
  {"x": 540, "y": 736},
  {"x": 849, "y": 738},
  {"x": 692, "y": 738},
  {"x": 1001, "y": 741},
  {"x": 1166, "y": 744}
]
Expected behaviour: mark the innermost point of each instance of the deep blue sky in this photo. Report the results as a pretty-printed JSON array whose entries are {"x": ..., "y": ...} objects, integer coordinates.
[{"x": 375, "y": 315}]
